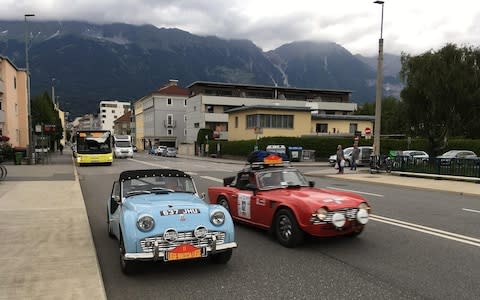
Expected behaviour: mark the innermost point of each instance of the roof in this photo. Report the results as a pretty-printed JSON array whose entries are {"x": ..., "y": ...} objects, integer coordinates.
[
  {"x": 342, "y": 117},
  {"x": 11, "y": 63},
  {"x": 131, "y": 174},
  {"x": 172, "y": 90},
  {"x": 233, "y": 85},
  {"x": 271, "y": 107},
  {"x": 124, "y": 118}
]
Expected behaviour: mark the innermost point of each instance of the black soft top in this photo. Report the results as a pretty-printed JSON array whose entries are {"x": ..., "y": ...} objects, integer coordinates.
[{"x": 131, "y": 174}]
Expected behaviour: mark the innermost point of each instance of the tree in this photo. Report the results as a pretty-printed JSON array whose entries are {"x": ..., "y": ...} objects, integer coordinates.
[
  {"x": 393, "y": 115},
  {"x": 441, "y": 92},
  {"x": 44, "y": 113}
]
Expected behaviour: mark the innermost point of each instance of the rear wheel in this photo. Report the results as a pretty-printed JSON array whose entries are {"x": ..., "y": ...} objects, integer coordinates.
[
  {"x": 222, "y": 257},
  {"x": 287, "y": 231}
]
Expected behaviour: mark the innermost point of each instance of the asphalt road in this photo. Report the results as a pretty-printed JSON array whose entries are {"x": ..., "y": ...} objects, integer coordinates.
[{"x": 394, "y": 258}]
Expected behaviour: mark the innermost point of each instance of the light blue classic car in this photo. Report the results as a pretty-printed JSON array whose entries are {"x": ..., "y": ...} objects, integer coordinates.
[{"x": 157, "y": 214}]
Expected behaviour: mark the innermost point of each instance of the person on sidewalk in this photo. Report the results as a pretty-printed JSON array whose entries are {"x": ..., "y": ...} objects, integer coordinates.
[
  {"x": 60, "y": 147},
  {"x": 355, "y": 157},
  {"x": 340, "y": 159}
]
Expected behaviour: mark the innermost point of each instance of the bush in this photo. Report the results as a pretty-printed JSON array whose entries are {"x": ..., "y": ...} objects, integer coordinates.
[{"x": 6, "y": 152}]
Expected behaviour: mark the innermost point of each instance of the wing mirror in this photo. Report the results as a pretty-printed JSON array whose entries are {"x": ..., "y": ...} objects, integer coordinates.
[{"x": 311, "y": 183}]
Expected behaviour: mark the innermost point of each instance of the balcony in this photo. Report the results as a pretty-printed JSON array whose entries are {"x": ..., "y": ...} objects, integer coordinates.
[{"x": 171, "y": 124}]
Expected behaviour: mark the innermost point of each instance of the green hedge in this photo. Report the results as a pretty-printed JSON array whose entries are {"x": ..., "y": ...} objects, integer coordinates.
[{"x": 326, "y": 146}]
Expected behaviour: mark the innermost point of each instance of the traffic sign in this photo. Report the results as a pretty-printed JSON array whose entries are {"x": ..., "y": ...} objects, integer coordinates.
[{"x": 368, "y": 131}]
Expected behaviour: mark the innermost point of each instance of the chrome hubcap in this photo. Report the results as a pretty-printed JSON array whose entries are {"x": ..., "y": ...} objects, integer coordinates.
[{"x": 285, "y": 227}]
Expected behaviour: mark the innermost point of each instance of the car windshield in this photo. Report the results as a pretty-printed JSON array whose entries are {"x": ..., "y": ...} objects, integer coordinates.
[
  {"x": 450, "y": 154},
  {"x": 147, "y": 185},
  {"x": 272, "y": 179}
]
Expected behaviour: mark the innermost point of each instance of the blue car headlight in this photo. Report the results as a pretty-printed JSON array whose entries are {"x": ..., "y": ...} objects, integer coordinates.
[
  {"x": 145, "y": 223},
  {"x": 217, "y": 217}
]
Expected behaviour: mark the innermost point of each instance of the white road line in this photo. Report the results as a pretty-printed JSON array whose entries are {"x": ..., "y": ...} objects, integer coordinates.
[
  {"x": 212, "y": 178},
  {"x": 358, "y": 192},
  {"x": 148, "y": 163},
  {"x": 426, "y": 229},
  {"x": 471, "y": 210},
  {"x": 450, "y": 236},
  {"x": 192, "y": 173}
]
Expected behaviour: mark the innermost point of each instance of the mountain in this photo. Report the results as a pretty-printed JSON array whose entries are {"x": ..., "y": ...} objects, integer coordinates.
[{"x": 92, "y": 62}]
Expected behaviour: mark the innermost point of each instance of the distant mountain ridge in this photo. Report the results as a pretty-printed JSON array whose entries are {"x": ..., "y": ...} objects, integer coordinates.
[{"x": 94, "y": 62}]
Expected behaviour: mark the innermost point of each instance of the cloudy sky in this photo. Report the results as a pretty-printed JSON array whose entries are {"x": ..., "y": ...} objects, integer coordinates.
[{"x": 410, "y": 26}]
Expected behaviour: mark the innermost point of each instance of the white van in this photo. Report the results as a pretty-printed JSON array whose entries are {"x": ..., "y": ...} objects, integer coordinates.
[{"x": 122, "y": 146}]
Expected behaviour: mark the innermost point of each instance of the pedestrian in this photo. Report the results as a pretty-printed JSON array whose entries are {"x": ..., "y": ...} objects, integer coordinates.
[
  {"x": 60, "y": 147},
  {"x": 340, "y": 159},
  {"x": 355, "y": 157}
]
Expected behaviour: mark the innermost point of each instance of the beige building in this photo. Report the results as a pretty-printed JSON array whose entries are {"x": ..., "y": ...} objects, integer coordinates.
[
  {"x": 139, "y": 129},
  {"x": 13, "y": 103},
  {"x": 251, "y": 122},
  {"x": 341, "y": 125}
]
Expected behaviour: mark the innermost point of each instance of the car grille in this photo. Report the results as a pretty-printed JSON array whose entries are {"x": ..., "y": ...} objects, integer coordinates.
[
  {"x": 349, "y": 213},
  {"x": 183, "y": 238}
]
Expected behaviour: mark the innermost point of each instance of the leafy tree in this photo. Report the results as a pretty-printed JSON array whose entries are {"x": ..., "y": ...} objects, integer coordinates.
[
  {"x": 44, "y": 113},
  {"x": 393, "y": 115},
  {"x": 202, "y": 133},
  {"x": 441, "y": 94}
]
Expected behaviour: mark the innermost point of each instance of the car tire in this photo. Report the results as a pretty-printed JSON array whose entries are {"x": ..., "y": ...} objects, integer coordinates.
[
  {"x": 222, "y": 257},
  {"x": 127, "y": 266},
  {"x": 224, "y": 202},
  {"x": 109, "y": 229},
  {"x": 287, "y": 231}
]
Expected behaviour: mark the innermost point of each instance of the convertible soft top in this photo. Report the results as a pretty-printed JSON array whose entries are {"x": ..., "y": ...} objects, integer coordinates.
[{"x": 130, "y": 174}]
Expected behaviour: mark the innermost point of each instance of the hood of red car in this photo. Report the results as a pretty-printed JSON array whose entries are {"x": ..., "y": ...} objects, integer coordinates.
[{"x": 316, "y": 198}]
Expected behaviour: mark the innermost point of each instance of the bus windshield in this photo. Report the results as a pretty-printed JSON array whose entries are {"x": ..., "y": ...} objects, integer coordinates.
[{"x": 94, "y": 142}]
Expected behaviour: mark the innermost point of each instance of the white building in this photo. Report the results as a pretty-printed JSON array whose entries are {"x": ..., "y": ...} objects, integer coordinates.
[{"x": 109, "y": 111}]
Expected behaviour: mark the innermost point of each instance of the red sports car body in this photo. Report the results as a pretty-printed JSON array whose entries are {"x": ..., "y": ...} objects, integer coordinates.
[{"x": 279, "y": 198}]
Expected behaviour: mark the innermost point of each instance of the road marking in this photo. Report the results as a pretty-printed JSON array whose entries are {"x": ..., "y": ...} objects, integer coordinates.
[
  {"x": 191, "y": 173},
  {"x": 212, "y": 178},
  {"x": 147, "y": 163},
  {"x": 428, "y": 230},
  {"x": 358, "y": 192},
  {"x": 471, "y": 210}
]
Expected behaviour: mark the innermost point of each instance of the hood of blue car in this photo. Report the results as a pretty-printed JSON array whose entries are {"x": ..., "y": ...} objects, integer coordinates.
[{"x": 164, "y": 201}]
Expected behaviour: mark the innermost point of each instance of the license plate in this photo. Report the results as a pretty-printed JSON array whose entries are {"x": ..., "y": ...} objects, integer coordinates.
[{"x": 186, "y": 251}]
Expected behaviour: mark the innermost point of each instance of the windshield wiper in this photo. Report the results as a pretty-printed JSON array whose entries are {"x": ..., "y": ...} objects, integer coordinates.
[
  {"x": 133, "y": 193},
  {"x": 161, "y": 189}
]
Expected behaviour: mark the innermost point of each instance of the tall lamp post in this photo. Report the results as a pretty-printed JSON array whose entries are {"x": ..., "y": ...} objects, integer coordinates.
[
  {"x": 30, "y": 147},
  {"x": 378, "y": 97}
]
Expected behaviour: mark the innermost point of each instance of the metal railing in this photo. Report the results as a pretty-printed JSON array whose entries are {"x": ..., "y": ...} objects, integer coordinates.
[{"x": 439, "y": 166}]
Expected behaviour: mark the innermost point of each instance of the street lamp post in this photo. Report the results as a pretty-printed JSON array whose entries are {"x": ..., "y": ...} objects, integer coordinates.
[
  {"x": 378, "y": 94},
  {"x": 30, "y": 146},
  {"x": 53, "y": 91}
]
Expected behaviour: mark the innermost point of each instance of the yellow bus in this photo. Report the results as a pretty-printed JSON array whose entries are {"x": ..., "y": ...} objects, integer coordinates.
[{"x": 93, "y": 147}]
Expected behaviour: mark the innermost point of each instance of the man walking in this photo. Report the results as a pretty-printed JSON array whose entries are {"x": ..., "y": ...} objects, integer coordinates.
[
  {"x": 355, "y": 157},
  {"x": 340, "y": 159}
]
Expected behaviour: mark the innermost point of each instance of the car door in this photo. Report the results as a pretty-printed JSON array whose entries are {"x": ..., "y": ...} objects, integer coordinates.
[
  {"x": 115, "y": 208},
  {"x": 241, "y": 205}
]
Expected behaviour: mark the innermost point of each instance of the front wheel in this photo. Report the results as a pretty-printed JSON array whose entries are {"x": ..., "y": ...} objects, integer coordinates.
[
  {"x": 128, "y": 266},
  {"x": 222, "y": 257},
  {"x": 223, "y": 202},
  {"x": 287, "y": 231}
]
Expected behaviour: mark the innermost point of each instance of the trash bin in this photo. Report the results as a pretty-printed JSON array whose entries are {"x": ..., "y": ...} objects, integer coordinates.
[
  {"x": 295, "y": 153},
  {"x": 18, "y": 158}
]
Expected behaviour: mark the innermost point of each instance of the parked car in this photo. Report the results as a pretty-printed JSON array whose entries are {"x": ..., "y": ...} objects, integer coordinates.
[
  {"x": 459, "y": 155},
  {"x": 157, "y": 214},
  {"x": 275, "y": 196},
  {"x": 363, "y": 157},
  {"x": 160, "y": 150},
  {"x": 171, "y": 152},
  {"x": 416, "y": 155}
]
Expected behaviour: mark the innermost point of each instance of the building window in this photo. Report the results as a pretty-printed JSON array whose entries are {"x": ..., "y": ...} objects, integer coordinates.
[
  {"x": 104, "y": 116},
  {"x": 169, "y": 119},
  {"x": 104, "y": 110},
  {"x": 0, "y": 107},
  {"x": 185, "y": 132},
  {"x": 184, "y": 118},
  {"x": 103, "y": 121},
  {"x": 236, "y": 122},
  {"x": 196, "y": 125},
  {"x": 115, "y": 117},
  {"x": 270, "y": 121},
  {"x": 14, "y": 82},
  {"x": 353, "y": 127},
  {"x": 194, "y": 108},
  {"x": 185, "y": 102},
  {"x": 169, "y": 132},
  {"x": 169, "y": 101},
  {"x": 210, "y": 108},
  {"x": 321, "y": 127}
]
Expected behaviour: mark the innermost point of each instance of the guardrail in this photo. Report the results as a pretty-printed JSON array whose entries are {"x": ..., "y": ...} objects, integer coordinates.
[{"x": 438, "y": 166}]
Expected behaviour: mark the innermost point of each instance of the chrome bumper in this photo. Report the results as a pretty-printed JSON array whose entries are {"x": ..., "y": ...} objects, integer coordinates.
[{"x": 160, "y": 254}]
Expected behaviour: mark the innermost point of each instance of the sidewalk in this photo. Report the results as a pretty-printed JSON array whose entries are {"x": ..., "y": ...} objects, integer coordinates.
[{"x": 47, "y": 246}]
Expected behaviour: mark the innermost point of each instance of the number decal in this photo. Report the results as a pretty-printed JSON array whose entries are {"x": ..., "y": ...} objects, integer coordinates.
[{"x": 243, "y": 205}]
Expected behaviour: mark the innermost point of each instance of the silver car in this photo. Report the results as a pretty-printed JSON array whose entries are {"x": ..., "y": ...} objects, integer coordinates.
[{"x": 170, "y": 152}]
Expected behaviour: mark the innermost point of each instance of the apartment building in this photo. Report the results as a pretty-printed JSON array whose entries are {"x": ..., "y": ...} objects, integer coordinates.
[
  {"x": 13, "y": 103},
  {"x": 109, "y": 111},
  {"x": 210, "y": 103},
  {"x": 160, "y": 117}
]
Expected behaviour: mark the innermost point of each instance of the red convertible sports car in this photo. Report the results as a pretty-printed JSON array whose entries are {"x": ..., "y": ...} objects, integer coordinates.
[{"x": 272, "y": 195}]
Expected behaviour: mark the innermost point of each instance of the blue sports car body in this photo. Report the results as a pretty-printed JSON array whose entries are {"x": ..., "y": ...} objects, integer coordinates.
[{"x": 157, "y": 214}]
